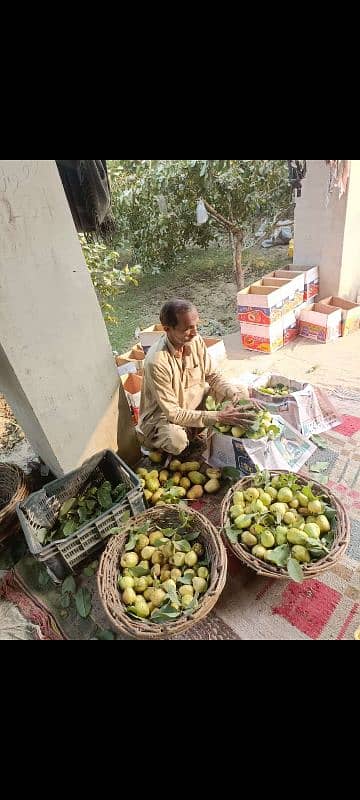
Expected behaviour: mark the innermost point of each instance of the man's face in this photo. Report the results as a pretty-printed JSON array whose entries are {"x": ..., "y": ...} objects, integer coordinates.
[{"x": 185, "y": 329}]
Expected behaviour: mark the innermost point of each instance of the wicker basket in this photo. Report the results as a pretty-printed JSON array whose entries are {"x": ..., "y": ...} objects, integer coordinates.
[
  {"x": 341, "y": 541},
  {"x": 13, "y": 490},
  {"x": 109, "y": 569},
  {"x": 41, "y": 509}
]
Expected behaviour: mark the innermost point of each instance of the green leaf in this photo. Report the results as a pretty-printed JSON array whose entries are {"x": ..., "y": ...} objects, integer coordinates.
[
  {"x": 114, "y": 531},
  {"x": 183, "y": 545},
  {"x": 279, "y": 555},
  {"x": 186, "y": 580},
  {"x": 184, "y": 518},
  {"x": 261, "y": 477},
  {"x": 192, "y": 607},
  {"x": 82, "y": 513},
  {"x": 173, "y": 596},
  {"x": 119, "y": 492},
  {"x": 328, "y": 539},
  {"x": 295, "y": 570},
  {"x": 131, "y": 541},
  {"x": 142, "y": 528},
  {"x": 205, "y": 562},
  {"x": 88, "y": 571},
  {"x": 308, "y": 492},
  {"x": 190, "y": 537},
  {"x": 232, "y": 534},
  {"x": 41, "y": 534},
  {"x": 168, "y": 532},
  {"x": 67, "y": 506},
  {"x": 165, "y": 613},
  {"x": 105, "y": 635},
  {"x": 330, "y": 513},
  {"x": 83, "y": 602},
  {"x": 104, "y": 498},
  {"x": 69, "y": 528},
  {"x": 94, "y": 564},
  {"x": 138, "y": 572},
  {"x": 65, "y": 601},
  {"x": 68, "y": 585},
  {"x": 43, "y": 577},
  {"x": 159, "y": 542},
  {"x": 316, "y": 543},
  {"x": 231, "y": 474},
  {"x": 90, "y": 504}
]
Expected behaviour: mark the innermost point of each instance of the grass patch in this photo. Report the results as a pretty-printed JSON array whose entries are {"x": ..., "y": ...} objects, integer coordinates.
[{"x": 205, "y": 277}]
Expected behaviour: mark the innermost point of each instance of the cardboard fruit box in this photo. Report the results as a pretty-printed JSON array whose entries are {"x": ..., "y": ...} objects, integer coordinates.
[
  {"x": 291, "y": 322},
  {"x": 320, "y": 322},
  {"x": 311, "y": 278},
  {"x": 150, "y": 335},
  {"x": 296, "y": 287},
  {"x": 259, "y": 304},
  {"x": 350, "y": 313},
  {"x": 263, "y": 338},
  {"x": 134, "y": 358},
  {"x": 290, "y": 327},
  {"x": 216, "y": 348}
]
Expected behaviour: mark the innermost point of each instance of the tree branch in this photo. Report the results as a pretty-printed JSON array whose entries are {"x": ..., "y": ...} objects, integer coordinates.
[{"x": 222, "y": 220}]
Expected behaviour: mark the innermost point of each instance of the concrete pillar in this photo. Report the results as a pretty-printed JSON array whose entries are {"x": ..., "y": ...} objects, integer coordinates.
[
  {"x": 329, "y": 235},
  {"x": 57, "y": 370}
]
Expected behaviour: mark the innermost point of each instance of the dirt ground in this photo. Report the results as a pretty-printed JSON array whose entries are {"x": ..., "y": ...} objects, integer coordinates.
[{"x": 14, "y": 447}]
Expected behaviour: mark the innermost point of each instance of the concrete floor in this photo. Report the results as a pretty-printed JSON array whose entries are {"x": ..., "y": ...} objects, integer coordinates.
[{"x": 332, "y": 364}]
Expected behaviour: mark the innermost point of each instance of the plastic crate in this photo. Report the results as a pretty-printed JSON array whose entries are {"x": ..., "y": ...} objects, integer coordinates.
[{"x": 41, "y": 510}]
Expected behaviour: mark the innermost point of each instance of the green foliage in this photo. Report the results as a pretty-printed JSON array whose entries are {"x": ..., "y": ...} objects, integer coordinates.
[
  {"x": 109, "y": 277},
  {"x": 155, "y": 203}
]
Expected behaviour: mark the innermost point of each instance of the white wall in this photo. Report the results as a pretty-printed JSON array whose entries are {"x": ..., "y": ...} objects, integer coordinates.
[
  {"x": 329, "y": 235},
  {"x": 57, "y": 367},
  {"x": 350, "y": 268}
]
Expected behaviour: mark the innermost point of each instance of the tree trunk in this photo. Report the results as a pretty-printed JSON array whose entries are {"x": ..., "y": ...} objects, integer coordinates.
[{"x": 236, "y": 241}]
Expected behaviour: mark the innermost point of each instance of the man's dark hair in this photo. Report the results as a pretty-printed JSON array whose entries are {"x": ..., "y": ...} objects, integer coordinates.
[{"x": 171, "y": 309}]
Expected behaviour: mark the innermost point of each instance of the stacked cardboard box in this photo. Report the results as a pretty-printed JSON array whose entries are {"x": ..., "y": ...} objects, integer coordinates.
[
  {"x": 275, "y": 300},
  {"x": 262, "y": 308},
  {"x": 311, "y": 278}
]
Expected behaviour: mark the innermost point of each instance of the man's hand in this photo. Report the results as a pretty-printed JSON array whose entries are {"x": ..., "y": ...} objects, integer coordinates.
[{"x": 243, "y": 416}]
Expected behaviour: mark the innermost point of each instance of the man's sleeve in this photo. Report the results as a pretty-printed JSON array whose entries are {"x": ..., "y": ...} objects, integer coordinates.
[{"x": 160, "y": 378}]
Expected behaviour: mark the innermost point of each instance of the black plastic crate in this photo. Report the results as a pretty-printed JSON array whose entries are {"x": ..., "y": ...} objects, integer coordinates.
[{"x": 41, "y": 510}]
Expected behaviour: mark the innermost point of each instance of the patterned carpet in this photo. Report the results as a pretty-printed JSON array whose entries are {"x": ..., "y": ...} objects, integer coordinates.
[{"x": 250, "y": 607}]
